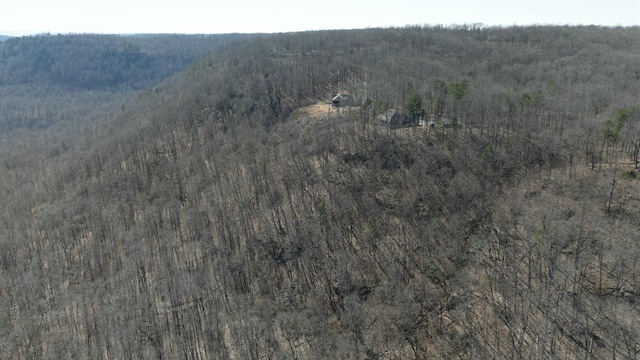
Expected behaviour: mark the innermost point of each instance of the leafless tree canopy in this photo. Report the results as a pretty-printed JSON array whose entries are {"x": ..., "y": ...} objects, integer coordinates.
[{"x": 230, "y": 212}]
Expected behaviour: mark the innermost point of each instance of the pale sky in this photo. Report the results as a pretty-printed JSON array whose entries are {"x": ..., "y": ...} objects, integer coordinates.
[{"x": 24, "y": 17}]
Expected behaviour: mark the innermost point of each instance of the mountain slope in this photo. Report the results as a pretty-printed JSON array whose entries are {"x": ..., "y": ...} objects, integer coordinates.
[
  {"x": 96, "y": 62},
  {"x": 210, "y": 218},
  {"x": 64, "y": 80}
]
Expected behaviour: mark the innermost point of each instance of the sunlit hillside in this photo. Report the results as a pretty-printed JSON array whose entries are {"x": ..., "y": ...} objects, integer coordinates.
[{"x": 403, "y": 193}]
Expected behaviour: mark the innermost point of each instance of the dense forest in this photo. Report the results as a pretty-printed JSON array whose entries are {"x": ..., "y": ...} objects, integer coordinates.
[
  {"x": 230, "y": 211},
  {"x": 94, "y": 62},
  {"x": 50, "y": 79}
]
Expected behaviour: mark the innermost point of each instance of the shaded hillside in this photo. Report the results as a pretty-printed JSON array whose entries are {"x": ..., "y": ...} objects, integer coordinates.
[
  {"x": 210, "y": 218},
  {"x": 95, "y": 62},
  {"x": 66, "y": 80}
]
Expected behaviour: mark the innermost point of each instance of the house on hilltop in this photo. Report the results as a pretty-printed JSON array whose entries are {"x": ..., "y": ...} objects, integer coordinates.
[
  {"x": 394, "y": 119},
  {"x": 341, "y": 99}
]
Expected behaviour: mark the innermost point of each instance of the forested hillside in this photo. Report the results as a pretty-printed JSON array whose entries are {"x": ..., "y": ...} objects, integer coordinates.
[
  {"x": 48, "y": 80},
  {"x": 231, "y": 213},
  {"x": 96, "y": 62}
]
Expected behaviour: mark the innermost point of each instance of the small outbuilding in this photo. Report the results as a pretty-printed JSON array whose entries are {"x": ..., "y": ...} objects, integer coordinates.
[{"x": 451, "y": 123}]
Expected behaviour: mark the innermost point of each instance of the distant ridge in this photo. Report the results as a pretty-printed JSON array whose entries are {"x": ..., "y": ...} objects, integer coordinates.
[
  {"x": 4, "y": 37},
  {"x": 91, "y": 61}
]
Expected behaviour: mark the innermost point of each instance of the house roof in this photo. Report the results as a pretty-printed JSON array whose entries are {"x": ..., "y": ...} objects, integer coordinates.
[
  {"x": 341, "y": 95},
  {"x": 387, "y": 115}
]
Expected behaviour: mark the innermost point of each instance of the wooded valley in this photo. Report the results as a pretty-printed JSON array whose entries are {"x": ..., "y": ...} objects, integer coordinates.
[{"x": 199, "y": 197}]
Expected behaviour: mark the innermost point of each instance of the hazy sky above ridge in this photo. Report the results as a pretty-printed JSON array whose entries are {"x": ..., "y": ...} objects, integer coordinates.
[{"x": 24, "y": 17}]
